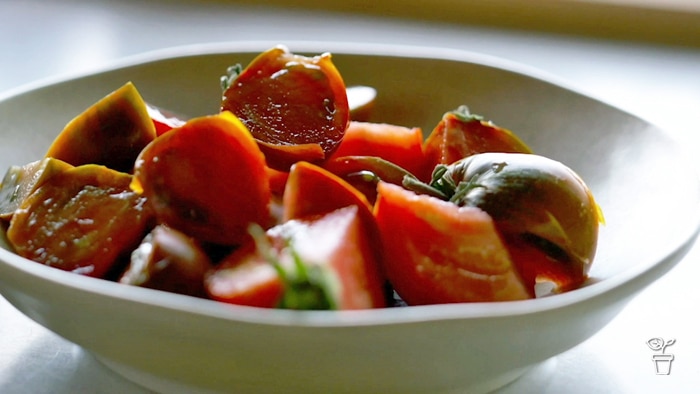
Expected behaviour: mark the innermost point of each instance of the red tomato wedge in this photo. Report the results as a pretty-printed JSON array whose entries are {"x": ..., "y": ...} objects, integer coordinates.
[
  {"x": 335, "y": 247},
  {"x": 436, "y": 252},
  {"x": 396, "y": 144},
  {"x": 206, "y": 179},
  {"x": 312, "y": 191},
  {"x": 295, "y": 106},
  {"x": 460, "y": 134}
]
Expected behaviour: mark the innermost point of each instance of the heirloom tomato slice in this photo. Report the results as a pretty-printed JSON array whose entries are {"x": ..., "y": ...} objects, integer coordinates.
[
  {"x": 543, "y": 209},
  {"x": 84, "y": 219},
  {"x": 326, "y": 262},
  {"x": 21, "y": 181},
  {"x": 295, "y": 106},
  {"x": 399, "y": 145},
  {"x": 111, "y": 132},
  {"x": 312, "y": 191},
  {"x": 436, "y": 252},
  {"x": 206, "y": 179},
  {"x": 163, "y": 119},
  {"x": 531, "y": 196},
  {"x": 460, "y": 134},
  {"x": 244, "y": 277}
]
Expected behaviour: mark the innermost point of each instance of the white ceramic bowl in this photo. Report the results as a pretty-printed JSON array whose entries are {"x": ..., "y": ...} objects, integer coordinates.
[{"x": 174, "y": 343}]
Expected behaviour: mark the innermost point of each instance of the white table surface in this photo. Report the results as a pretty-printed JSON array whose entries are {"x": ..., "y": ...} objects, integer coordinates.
[{"x": 660, "y": 83}]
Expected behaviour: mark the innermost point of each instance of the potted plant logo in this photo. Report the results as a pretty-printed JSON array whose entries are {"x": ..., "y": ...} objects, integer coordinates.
[{"x": 662, "y": 361}]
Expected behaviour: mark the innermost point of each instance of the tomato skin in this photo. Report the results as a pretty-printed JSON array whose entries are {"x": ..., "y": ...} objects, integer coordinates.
[
  {"x": 436, "y": 252},
  {"x": 193, "y": 177},
  {"x": 295, "y": 106},
  {"x": 532, "y": 195}
]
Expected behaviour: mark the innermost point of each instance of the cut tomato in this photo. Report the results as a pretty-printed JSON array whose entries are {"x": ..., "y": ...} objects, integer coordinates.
[
  {"x": 528, "y": 195},
  {"x": 206, "y": 179},
  {"x": 436, "y": 252},
  {"x": 245, "y": 278},
  {"x": 399, "y": 145},
  {"x": 168, "y": 260},
  {"x": 278, "y": 180},
  {"x": 314, "y": 191},
  {"x": 295, "y": 106},
  {"x": 326, "y": 263},
  {"x": 460, "y": 134},
  {"x": 21, "y": 181},
  {"x": 111, "y": 132}
]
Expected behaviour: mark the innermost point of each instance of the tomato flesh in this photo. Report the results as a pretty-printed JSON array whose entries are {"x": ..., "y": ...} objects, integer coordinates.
[
  {"x": 437, "y": 252},
  {"x": 168, "y": 260},
  {"x": 295, "y": 106}
]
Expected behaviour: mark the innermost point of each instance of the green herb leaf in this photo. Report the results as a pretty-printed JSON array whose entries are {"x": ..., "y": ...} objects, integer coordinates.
[
  {"x": 232, "y": 72},
  {"x": 462, "y": 113}
]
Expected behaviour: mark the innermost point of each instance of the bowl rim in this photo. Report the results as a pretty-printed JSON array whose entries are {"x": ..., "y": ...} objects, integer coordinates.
[{"x": 632, "y": 278}]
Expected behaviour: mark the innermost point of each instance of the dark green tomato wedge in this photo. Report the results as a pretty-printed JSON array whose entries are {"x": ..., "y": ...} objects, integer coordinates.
[
  {"x": 21, "y": 181},
  {"x": 111, "y": 132},
  {"x": 83, "y": 220}
]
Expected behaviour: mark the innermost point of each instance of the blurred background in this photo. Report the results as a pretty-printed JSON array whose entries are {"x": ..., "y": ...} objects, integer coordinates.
[{"x": 641, "y": 55}]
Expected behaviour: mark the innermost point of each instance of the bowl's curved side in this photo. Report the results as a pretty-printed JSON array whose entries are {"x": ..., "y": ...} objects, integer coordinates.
[
  {"x": 163, "y": 348},
  {"x": 197, "y": 350}
]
